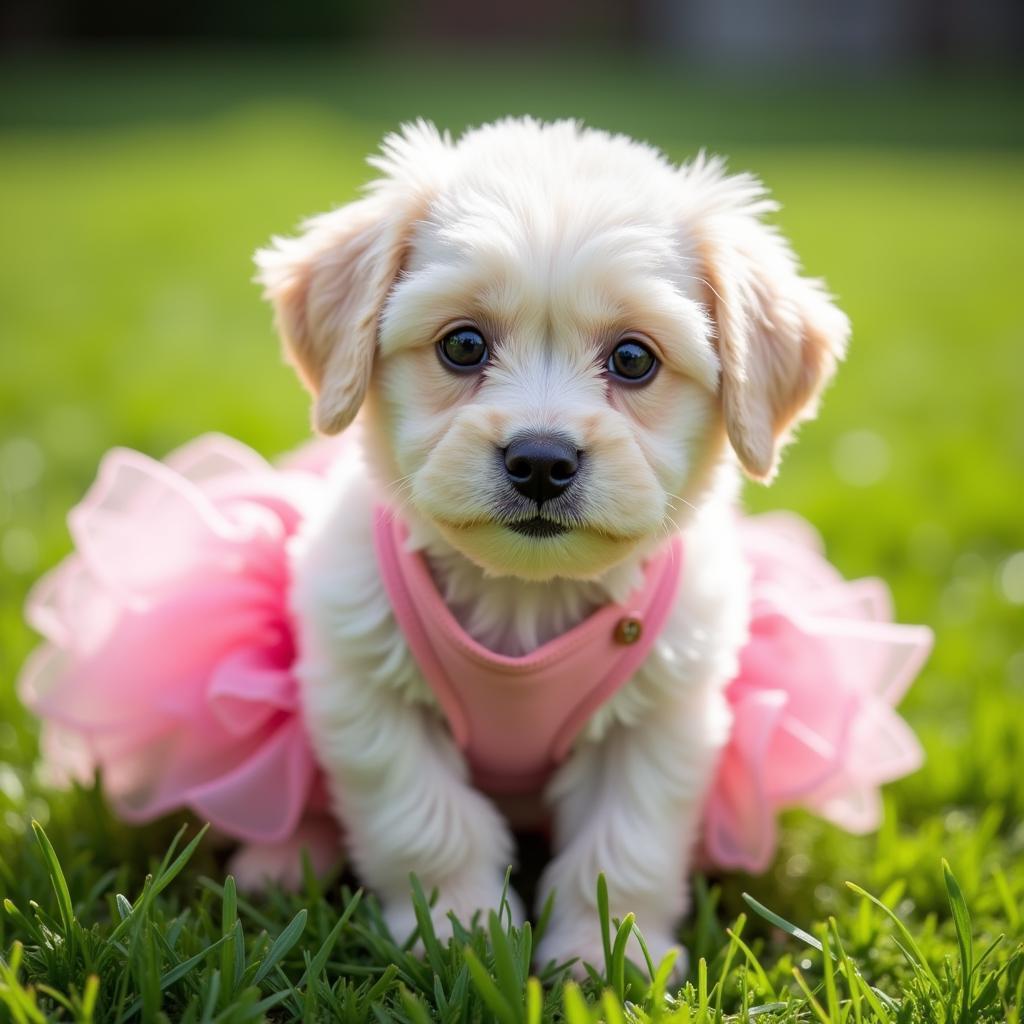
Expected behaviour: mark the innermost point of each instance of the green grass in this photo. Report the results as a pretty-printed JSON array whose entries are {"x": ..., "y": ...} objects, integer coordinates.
[{"x": 132, "y": 194}]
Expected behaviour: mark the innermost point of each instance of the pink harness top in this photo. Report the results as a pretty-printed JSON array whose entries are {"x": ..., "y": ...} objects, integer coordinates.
[{"x": 515, "y": 718}]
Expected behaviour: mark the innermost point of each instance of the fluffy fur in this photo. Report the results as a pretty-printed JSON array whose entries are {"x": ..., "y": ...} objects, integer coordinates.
[{"x": 555, "y": 242}]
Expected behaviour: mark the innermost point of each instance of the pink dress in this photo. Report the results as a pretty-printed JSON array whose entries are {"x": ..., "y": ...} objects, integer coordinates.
[{"x": 168, "y": 657}]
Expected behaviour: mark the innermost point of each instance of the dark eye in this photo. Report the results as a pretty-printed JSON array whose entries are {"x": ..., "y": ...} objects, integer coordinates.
[
  {"x": 463, "y": 349},
  {"x": 631, "y": 361}
]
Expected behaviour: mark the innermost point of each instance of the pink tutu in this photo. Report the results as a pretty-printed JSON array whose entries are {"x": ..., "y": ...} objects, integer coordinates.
[{"x": 169, "y": 650}]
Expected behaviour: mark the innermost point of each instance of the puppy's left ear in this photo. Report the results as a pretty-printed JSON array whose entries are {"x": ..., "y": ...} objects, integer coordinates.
[{"x": 779, "y": 335}]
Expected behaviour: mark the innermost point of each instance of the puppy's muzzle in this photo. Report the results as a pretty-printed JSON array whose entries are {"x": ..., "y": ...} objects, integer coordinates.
[{"x": 541, "y": 467}]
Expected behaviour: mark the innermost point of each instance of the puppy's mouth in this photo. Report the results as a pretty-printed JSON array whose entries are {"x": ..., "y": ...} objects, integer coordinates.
[{"x": 538, "y": 526}]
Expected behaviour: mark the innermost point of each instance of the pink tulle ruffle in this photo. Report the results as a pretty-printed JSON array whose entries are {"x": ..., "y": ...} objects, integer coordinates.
[
  {"x": 168, "y": 660},
  {"x": 813, "y": 719}
]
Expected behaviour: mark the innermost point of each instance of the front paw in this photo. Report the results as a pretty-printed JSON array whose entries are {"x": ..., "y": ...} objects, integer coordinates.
[{"x": 464, "y": 902}]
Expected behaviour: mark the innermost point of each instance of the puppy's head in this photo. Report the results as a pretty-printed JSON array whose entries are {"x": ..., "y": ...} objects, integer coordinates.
[{"x": 561, "y": 335}]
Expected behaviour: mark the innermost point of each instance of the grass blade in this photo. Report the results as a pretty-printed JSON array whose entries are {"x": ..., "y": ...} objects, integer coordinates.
[
  {"x": 764, "y": 985},
  {"x": 818, "y": 1009},
  {"x": 425, "y": 925},
  {"x": 617, "y": 967},
  {"x": 911, "y": 950},
  {"x": 780, "y": 922},
  {"x": 506, "y": 969},
  {"x": 57, "y": 879},
  {"x": 484, "y": 984},
  {"x": 166, "y": 875},
  {"x": 319, "y": 961},
  {"x": 964, "y": 938},
  {"x": 534, "y": 1001},
  {"x": 281, "y": 945},
  {"x": 228, "y": 917},
  {"x": 170, "y": 977},
  {"x": 604, "y": 917}
]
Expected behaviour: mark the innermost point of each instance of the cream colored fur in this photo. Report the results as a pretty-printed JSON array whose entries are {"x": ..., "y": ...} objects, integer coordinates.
[{"x": 555, "y": 241}]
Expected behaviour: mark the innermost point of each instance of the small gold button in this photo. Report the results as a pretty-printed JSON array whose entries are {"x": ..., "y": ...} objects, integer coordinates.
[{"x": 628, "y": 630}]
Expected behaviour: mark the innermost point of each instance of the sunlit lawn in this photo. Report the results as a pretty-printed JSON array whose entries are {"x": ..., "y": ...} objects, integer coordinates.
[{"x": 131, "y": 199}]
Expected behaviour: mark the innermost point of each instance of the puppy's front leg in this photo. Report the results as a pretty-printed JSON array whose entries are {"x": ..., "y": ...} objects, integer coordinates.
[
  {"x": 629, "y": 806},
  {"x": 399, "y": 786}
]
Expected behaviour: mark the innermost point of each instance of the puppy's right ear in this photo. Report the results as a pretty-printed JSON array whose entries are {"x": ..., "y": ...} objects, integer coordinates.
[
  {"x": 779, "y": 334},
  {"x": 328, "y": 287}
]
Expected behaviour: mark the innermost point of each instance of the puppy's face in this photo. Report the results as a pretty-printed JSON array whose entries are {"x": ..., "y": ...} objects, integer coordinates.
[
  {"x": 542, "y": 333},
  {"x": 546, "y": 384}
]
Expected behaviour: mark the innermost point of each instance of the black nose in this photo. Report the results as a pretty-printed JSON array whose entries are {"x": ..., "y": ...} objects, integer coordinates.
[{"x": 541, "y": 466}]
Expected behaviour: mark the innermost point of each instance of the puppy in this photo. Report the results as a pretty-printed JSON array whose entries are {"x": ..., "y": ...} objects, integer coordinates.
[{"x": 564, "y": 350}]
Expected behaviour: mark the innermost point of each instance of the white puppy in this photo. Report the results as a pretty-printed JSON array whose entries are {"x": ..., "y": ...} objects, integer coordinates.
[{"x": 643, "y": 333}]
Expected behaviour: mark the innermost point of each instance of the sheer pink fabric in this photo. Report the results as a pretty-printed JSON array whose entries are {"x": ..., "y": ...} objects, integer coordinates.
[
  {"x": 169, "y": 651},
  {"x": 168, "y": 656},
  {"x": 813, "y": 718}
]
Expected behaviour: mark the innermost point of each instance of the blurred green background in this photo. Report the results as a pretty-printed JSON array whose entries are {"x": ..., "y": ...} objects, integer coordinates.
[{"x": 136, "y": 183}]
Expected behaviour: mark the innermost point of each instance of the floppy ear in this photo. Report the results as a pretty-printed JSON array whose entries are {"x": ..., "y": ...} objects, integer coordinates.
[
  {"x": 328, "y": 287},
  {"x": 779, "y": 335}
]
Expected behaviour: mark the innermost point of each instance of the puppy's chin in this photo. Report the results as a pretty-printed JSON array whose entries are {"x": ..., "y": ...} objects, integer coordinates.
[{"x": 581, "y": 553}]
